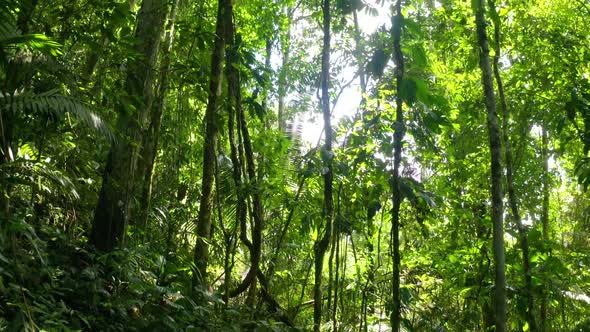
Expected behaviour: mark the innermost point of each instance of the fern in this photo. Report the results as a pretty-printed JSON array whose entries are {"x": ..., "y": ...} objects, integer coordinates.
[
  {"x": 28, "y": 172},
  {"x": 57, "y": 104}
]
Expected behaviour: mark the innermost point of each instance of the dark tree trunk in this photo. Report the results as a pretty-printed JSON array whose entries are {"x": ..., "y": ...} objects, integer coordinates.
[
  {"x": 398, "y": 137},
  {"x": 324, "y": 233},
  {"x": 111, "y": 214},
  {"x": 241, "y": 203},
  {"x": 524, "y": 243},
  {"x": 236, "y": 110},
  {"x": 201, "y": 256},
  {"x": 496, "y": 168}
]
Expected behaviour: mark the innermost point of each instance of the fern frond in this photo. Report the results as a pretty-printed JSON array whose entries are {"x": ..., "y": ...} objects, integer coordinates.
[
  {"x": 58, "y": 105},
  {"x": 27, "y": 172}
]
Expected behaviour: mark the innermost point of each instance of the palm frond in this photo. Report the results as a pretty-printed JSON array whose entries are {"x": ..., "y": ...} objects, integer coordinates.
[
  {"x": 58, "y": 105},
  {"x": 35, "y": 41}
]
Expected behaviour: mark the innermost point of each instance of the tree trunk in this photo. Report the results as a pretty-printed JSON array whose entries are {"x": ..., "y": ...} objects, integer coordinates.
[
  {"x": 284, "y": 71},
  {"x": 358, "y": 55},
  {"x": 111, "y": 214},
  {"x": 336, "y": 243},
  {"x": 152, "y": 135},
  {"x": 201, "y": 256},
  {"x": 524, "y": 244},
  {"x": 398, "y": 59},
  {"x": 496, "y": 168},
  {"x": 236, "y": 112},
  {"x": 545, "y": 219},
  {"x": 323, "y": 241}
]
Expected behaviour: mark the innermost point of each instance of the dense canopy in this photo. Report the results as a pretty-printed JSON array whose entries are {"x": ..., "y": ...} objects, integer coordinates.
[{"x": 294, "y": 165}]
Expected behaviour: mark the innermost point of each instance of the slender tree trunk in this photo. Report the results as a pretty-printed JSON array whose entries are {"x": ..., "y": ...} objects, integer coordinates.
[
  {"x": 284, "y": 71},
  {"x": 236, "y": 110},
  {"x": 398, "y": 58},
  {"x": 368, "y": 299},
  {"x": 336, "y": 280},
  {"x": 358, "y": 54},
  {"x": 545, "y": 219},
  {"x": 524, "y": 244},
  {"x": 111, "y": 214},
  {"x": 150, "y": 142},
  {"x": 201, "y": 256},
  {"x": 496, "y": 168},
  {"x": 325, "y": 234},
  {"x": 331, "y": 285}
]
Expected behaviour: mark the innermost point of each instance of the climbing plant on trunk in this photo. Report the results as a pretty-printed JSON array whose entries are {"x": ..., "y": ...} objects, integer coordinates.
[
  {"x": 398, "y": 136},
  {"x": 204, "y": 220},
  {"x": 117, "y": 192},
  {"x": 324, "y": 233},
  {"x": 495, "y": 146}
]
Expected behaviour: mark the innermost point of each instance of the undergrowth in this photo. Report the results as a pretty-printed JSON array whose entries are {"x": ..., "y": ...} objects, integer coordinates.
[{"x": 50, "y": 281}]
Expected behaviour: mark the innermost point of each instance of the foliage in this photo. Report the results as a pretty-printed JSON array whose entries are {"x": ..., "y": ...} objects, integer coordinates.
[{"x": 66, "y": 109}]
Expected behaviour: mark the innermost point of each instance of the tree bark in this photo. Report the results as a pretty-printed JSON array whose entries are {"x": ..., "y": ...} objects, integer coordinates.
[
  {"x": 358, "y": 55},
  {"x": 398, "y": 59},
  {"x": 284, "y": 71},
  {"x": 111, "y": 214},
  {"x": 236, "y": 112},
  {"x": 544, "y": 219},
  {"x": 152, "y": 135},
  {"x": 323, "y": 241},
  {"x": 513, "y": 202},
  {"x": 201, "y": 255},
  {"x": 496, "y": 168}
]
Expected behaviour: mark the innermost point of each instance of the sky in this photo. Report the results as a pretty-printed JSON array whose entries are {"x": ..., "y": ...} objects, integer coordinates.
[{"x": 312, "y": 122}]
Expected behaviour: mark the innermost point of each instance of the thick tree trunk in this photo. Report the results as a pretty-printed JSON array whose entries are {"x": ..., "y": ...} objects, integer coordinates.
[
  {"x": 524, "y": 243},
  {"x": 111, "y": 214},
  {"x": 325, "y": 234},
  {"x": 201, "y": 257},
  {"x": 398, "y": 58},
  {"x": 496, "y": 168},
  {"x": 152, "y": 135}
]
